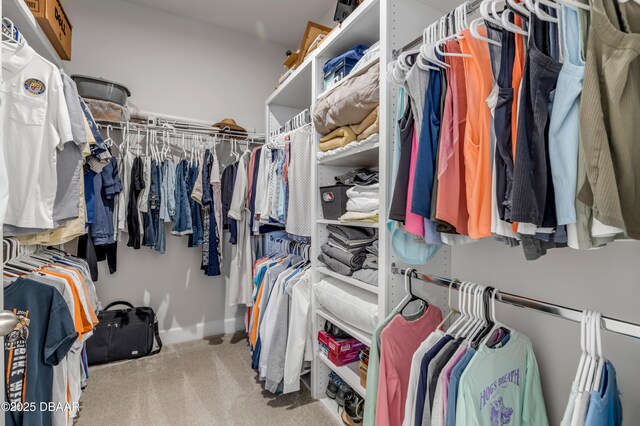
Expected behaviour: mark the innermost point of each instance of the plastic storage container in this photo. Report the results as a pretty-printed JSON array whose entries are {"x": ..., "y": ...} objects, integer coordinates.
[
  {"x": 338, "y": 72},
  {"x": 334, "y": 201},
  {"x": 99, "y": 88}
]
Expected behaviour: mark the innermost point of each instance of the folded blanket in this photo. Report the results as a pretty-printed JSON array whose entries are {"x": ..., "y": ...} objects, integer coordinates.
[
  {"x": 349, "y": 103},
  {"x": 371, "y": 261},
  {"x": 358, "y": 177},
  {"x": 368, "y": 127},
  {"x": 369, "y": 191},
  {"x": 366, "y": 123},
  {"x": 349, "y": 246},
  {"x": 335, "y": 265},
  {"x": 359, "y": 216},
  {"x": 375, "y": 138},
  {"x": 373, "y": 248},
  {"x": 337, "y": 139},
  {"x": 363, "y": 205},
  {"x": 371, "y": 130},
  {"x": 346, "y": 233},
  {"x": 353, "y": 260},
  {"x": 368, "y": 276}
]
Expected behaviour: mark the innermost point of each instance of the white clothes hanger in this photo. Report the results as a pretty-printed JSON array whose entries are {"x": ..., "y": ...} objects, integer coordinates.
[
  {"x": 544, "y": 15},
  {"x": 594, "y": 353},
  {"x": 517, "y": 6},
  {"x": 471, "y": 319},
  {"x": 452, "y": 310},
  {"x": 601, "y": 359},
  {"x": 461, "y": 308},
  {"x": 474, "y": 28},
  {"x": 584, "y": 374},
  {"x": 486, "y": 14},
  {"x": 509, "y": 26},
  {"x": 583, "y": 345}
]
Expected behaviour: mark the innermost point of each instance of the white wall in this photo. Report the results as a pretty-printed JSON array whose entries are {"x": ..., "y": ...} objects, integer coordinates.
[
  {"x": 174, "y": 65},
  {"x": 179, "y": 67},
  {"x": 605, "y": 280}
]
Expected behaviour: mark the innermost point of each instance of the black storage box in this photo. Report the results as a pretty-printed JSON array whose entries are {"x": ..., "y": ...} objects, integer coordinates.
[{"x": 334, "y": 201}]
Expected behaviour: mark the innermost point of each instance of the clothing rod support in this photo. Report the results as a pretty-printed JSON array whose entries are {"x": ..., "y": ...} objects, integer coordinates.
[{"x": 614, "y": 325}]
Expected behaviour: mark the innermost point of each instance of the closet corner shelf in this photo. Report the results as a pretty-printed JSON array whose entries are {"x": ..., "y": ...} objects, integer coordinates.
[
  {"x": 349, "y": 373},
  {"x": 356, "y": 224},
  {"x": 362, "y": 336},
  {"x": 295, "y": 91},
  {"x": 362, "y": 26},
  {"x": 348, "y": 280},
  {"x": 18, "y": 12},
  {"x": 362, "y": 156}
]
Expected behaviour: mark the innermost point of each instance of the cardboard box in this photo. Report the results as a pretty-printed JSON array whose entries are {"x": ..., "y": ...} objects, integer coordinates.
[
  {"x": 55, "y": 24},
  {"x": 363, "y": 374}
]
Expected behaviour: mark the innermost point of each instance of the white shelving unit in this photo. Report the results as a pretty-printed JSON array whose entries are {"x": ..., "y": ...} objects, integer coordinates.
[
  {"x": 18, "y": 12},
  {"x": 349, "y": 373},
  {"x": 393, "y": 23},
  {"x": 348, "y": 280}
]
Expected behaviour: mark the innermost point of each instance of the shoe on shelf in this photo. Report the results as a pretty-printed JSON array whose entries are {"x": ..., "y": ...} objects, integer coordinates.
[
  {"x": 345, "y": 393},
  {"x": 334, "y": 385},
  {"x": 353, "y": 411}
]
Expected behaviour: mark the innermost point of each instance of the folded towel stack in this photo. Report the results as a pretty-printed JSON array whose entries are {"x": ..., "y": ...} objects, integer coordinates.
[
  {"x": 353, "y": 252},
  {"x": 364, "y": 198}
]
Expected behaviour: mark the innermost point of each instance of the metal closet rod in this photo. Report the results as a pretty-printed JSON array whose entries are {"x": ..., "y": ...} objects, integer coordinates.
[
  {"x": 212, "y": 132},
  {"x": 612, "y": 324},
  {"x": 471, "y": 7}
]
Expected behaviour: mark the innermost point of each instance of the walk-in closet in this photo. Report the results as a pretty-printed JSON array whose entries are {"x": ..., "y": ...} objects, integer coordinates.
[{"x": 323, "y": 212}]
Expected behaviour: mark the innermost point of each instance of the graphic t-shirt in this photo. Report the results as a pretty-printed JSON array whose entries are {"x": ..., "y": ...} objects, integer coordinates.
[
  {"x": 502, "y": 387},
  {"x": 43, "y": 336}
]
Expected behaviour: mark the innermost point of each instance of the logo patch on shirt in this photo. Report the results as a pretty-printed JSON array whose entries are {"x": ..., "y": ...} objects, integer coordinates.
[{"x": 34, "y": 86}]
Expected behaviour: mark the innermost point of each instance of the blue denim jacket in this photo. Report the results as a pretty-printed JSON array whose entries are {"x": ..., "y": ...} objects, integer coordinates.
[{"x": 106, "y": 185}]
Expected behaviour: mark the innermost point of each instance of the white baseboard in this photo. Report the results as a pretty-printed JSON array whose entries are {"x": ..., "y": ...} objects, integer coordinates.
[{"x": 202, "y": 330}]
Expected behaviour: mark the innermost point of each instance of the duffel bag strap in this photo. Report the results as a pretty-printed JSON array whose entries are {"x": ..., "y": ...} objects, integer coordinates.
[
  {"x": 119, "y": 302},
  {"x": 156, "y": 333}
]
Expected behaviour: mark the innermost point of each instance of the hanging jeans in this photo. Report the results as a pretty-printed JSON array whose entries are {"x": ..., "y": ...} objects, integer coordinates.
[
  {"x": 196, "y": 238},
  {"x": 183, "y": 220}
]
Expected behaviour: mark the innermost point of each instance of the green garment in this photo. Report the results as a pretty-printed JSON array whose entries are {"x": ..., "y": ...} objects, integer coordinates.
[{"x": 501, "y": 386}]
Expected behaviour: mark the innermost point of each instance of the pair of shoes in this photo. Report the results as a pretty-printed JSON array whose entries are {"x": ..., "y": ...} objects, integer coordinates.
[
  {"x": 353, "y": 411},
  {"x": 345, "y": 394},
  {"x": 333, "y": 386}
]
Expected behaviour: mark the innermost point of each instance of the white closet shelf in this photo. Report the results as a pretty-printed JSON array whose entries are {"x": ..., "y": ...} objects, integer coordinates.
[
  {"x": 361, "y": 27},
  {"x": 294, "y": 92},
  {"x": 18, "y": 12},
  {"x": 349, "y": 373},
  {"x": 362, "y": 336},
  {"x": 348, "y": 280},
  {"x": 362, "y": 156},
  {"x": 355, "y": 224}
]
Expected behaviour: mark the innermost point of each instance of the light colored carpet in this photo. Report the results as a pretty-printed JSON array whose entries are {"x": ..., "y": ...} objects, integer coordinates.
[{"x": 206, "y": 382}]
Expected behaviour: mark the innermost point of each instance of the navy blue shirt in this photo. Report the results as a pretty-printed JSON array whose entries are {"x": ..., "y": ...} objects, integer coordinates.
[
  {"x": 424, "y": 369},
  {"x": 41, "y": 340}
]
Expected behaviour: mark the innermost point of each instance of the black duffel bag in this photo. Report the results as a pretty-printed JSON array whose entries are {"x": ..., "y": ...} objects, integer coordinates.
[{"x": 123, "y": 334}]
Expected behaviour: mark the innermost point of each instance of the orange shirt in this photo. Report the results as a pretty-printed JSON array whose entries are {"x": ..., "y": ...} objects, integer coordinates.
[
  {"x": 92, "y": 309},
  {"x": 477, "y": 145},
  {"x": 82, "y": 323}
]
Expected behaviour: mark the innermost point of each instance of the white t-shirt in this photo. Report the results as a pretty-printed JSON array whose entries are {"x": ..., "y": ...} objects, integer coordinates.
[{"x": 35, "y": 122}]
